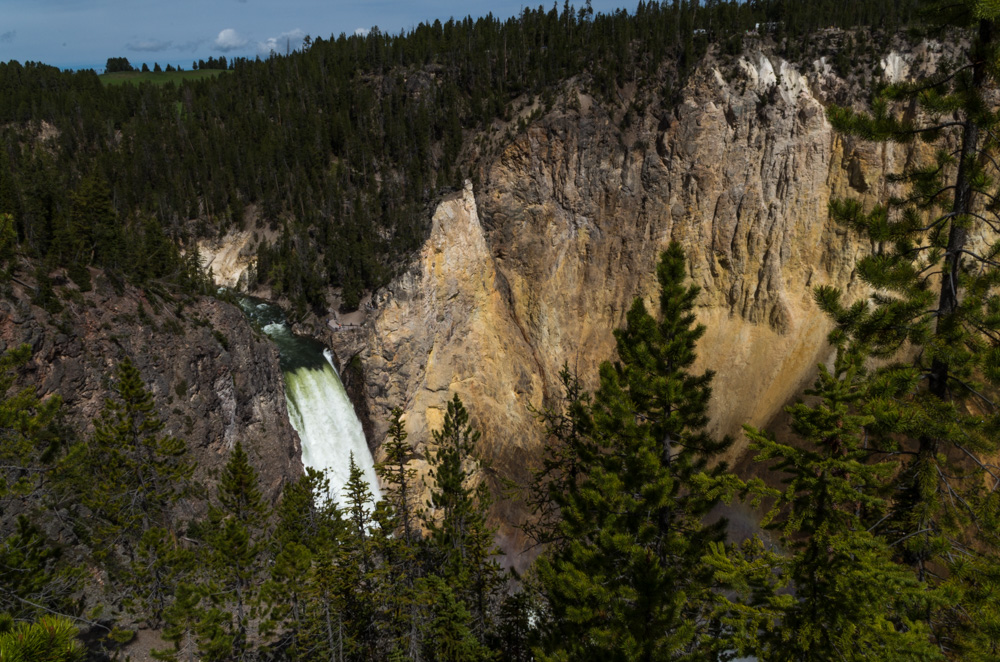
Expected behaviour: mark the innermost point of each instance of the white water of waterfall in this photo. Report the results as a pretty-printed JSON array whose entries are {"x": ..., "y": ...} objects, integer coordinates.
[
  {"x": 322, "y": 414},
  {"x": 318, "y": 406}
]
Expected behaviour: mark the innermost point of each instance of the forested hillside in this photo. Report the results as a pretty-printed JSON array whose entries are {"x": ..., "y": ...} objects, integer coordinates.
[
  {"x": 879, "y": 524},
  {"x": 341, "y": 148}
]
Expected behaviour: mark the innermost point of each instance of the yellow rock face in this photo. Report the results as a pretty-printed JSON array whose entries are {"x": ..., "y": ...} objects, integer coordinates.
[
  {"x": 536, "y": 267},
  {"x": 446, "y": 327}
]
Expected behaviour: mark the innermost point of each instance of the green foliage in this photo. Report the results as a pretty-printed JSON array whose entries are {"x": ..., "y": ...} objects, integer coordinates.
[
  {"x": 116, "y": 64},
  {"x": 925, "y": 416},
  {"x": 34, "y": 579},
  {"x": 971, "y": 615},
  {"x": 624, "y": 577},
  {"x": 398, "y": 480},
  {"x": 447, "y": 633},
  {"x": 127, "y": 474},
  {"x": 161, "y": 565},
  {"x": 356, "y": 566},
  {"x": 182, "y": 624},
  {"x": 8, "y": 245},
  {"x": 235, "y": 540},
  {"x": 398, "y": 543},
  {"x": 461, "y": 542},
  {"x": 28, "y": 433},
  {"x": 218, "y": 599},
  {"x": 49, "y": 639},
  {"x": 44, "y": 296},
  {"x": 849, "y": 598},
  {"x": 33, "y": 576}
]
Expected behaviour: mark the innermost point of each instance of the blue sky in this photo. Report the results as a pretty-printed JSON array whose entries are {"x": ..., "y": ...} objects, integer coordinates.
[{"x": 79, "y": 34}]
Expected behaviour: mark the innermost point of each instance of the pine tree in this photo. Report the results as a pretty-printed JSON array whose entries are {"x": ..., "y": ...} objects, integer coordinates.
[
  {"x": 129, "y": 476},
  {"x": 324, "y": 634},
  {"x": 28, "y": 433},
  {"x": 356, "y": 566},
  {"x": 182, "y": 619},
  {"x": 94, "y": 236},
  {"x": 309, "y": 528},
  {"x": 461, "y": 543},
  {"x": 933, "y": 310},
  {"x": 848, "y": 598},
  {"x": 8, "y": 246},
  {"x": 162, "y": 563},
  {"x": 235, "y": 537},
  {"x": 628, "y": 580},
  {"x": 359, "y": 502},
  {"x": 34, "y": 576},
  {"x": 971, "y": 618},
  {"x": 447, "y": 632},
  {"x": 568, "y": 450},
  {"x": 399, "y": 544},
  {"x": 398, "y": 480}
]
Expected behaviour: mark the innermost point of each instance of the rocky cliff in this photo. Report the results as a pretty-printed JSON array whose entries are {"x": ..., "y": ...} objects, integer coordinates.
[
  {"x": 214, "y": 379},
  {"x": 537, "y": 264}
]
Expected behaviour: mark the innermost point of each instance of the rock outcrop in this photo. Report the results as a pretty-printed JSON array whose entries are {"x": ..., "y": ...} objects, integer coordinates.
[
  {"x": 214, "y": 379},
  {"x": 447, "y": 326},
  {"x": 229, "y": 258},
  {"x": 535, "y": 267}
]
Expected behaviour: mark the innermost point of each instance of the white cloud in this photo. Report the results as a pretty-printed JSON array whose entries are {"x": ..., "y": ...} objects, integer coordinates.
[
  {"x": 286, "y": 41},
  {"x": 229, "y": 40},
  {"x": 362, "y": 32},
  {"x": 148, "y": 45}
]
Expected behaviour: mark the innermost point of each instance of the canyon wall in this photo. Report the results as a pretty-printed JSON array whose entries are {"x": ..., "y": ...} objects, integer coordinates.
[
  {"x": 214, "y": 379},
  {"x": 534, "y": 266}
]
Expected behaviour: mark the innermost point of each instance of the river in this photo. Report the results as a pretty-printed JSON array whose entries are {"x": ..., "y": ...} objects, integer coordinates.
[{"x": 318, "y": 406}]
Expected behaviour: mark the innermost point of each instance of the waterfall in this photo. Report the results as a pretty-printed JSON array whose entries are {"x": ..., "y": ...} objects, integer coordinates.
[
  {"x": 318, "y": 406},
  {"x": 324, "y": 417}
]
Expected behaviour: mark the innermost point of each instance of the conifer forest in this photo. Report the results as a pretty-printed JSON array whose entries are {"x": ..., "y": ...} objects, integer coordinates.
[{"x": 875, "y": 498}]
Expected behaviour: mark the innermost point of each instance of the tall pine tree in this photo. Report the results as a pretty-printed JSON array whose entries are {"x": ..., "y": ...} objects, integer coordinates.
[
  {"x": 461, "y": 548},
  {"x": 933, "y": 313},
  {"x": 128, "y": 473},
  {"x": 235, "y": 537},
  {"x": 846, "y": 597},
  {"x": 627, "y": 580}
]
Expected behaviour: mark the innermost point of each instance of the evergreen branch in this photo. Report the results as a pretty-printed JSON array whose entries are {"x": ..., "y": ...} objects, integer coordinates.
[
  {"x": 984, "y": 467},
  {"x": 910, "y": 535},
  {"x": 926, "y": 199},
  {"x": 959, "y": 547},
  {"x": 875, "y": 525},
  {"x": 978, "y": 258},
  {"x": 931, "y": 84},
  {"x": 989, "y": 333},
  {"x": 981, "y": 218},
  {"x": 21, "y": 467},
  {"x": 986, "y": 194},
  {"x": 936, "y": 127},
  {"x": 987, "y": 155},
  {"x": 933, "y": 273},
  {"x": 78, "y": 619},
  {"x": 953, "y": 214},
  {"x": 953, "y": 494},
  {"x": 934, "y": 224},
  {"x": 969, "y": 388}
]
